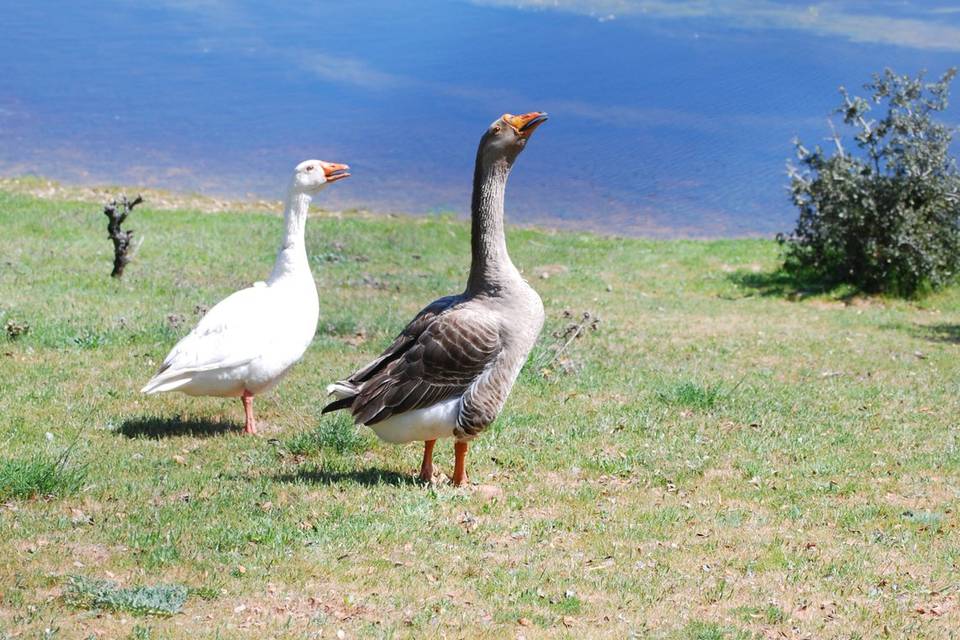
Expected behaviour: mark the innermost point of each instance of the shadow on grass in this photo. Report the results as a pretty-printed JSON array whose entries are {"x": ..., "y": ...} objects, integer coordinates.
[
  {"x": 782, "y": 284},
  {"x": 366, "y": 477},
  {"x": 943, "y": 332},
  {"x": 156, "y": 428}
]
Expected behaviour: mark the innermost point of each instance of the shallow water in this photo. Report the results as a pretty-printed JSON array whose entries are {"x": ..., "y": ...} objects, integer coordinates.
[{"x": 668, "y": 119}]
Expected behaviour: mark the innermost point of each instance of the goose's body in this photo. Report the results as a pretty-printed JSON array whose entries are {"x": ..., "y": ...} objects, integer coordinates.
[
  {"x": 249, "y": 341},
  {"x": 448, "y": 374}
]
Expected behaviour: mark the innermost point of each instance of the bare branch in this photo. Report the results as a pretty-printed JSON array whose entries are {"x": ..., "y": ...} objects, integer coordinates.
[
  {"x": 117, "y": 211},
  {"x": 836, "y": 138}
]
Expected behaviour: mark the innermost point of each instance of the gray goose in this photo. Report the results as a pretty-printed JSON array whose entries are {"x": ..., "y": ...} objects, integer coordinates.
[{"x": 449, "y": 372}]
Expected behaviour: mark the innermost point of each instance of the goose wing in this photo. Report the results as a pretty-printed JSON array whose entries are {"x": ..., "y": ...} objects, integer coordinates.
[
  {"x": 404, "y": 341},
  {"x": 229, "y": 335},
  {"x": 437, "y": 356}
]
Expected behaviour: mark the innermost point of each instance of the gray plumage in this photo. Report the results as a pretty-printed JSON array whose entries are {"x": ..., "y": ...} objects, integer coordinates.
[{"x": 468, "y": 347}]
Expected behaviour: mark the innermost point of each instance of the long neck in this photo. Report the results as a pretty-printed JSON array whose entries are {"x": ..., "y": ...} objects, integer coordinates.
[
  {"x": 292, "y": 257},
  {"x": 490, "y": 267}
]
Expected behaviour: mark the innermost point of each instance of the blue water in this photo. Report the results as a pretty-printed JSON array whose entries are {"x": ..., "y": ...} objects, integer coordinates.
[{"x": 667, "y": 119}]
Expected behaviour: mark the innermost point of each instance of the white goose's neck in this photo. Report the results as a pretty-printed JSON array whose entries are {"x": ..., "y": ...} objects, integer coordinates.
[{"x": 292, "y": 257}]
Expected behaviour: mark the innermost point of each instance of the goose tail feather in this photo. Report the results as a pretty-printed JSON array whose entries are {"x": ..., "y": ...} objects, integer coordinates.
[
  {"x": 164, "y": 383},
  {"x": 341, "y": 390},
  {"x": 343, "y": 393}
]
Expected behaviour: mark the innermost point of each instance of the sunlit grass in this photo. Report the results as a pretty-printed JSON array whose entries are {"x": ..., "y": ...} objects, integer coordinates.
[
  {"x": 719, "y": 458},
  {"x": 42, "y": 474}
]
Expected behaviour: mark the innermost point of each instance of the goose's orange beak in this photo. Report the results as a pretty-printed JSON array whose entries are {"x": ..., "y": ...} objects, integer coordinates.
[
  {"x": 333, "y": 171},
  {"x": 527, "y": 123}
]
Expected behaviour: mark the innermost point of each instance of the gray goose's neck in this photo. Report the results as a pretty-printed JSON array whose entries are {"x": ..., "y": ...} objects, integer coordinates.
[
  {"x": 292, "y": 257},
  {"x": 491, "y": 269}
]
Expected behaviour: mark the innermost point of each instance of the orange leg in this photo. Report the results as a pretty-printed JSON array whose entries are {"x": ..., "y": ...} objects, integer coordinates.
[
  {"x": 251, "y": 425},
  {"x": 426, "y": 467},
  {"x": 460, "y": 463}
]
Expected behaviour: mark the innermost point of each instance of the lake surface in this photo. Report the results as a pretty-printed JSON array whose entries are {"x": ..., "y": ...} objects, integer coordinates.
[{"x": 667, "y": 119}]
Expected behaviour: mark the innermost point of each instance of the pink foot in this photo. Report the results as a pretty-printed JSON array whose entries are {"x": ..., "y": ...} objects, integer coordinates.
[{"x": 250, "y": 426}]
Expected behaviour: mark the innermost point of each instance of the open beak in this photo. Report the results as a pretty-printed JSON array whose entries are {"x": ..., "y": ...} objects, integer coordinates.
[
  {"x": 527, "y": 123},
  {"x": 333, "y": 171}
]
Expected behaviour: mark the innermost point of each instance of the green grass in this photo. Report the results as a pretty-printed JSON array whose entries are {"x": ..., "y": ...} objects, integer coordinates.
[
  {"x": 722, "y": 455},
  {"x": 335, "y": 434},
  {"x": 42, "y": 474},
  {"x": 157, "y": 600},
  {"x": 693, "y": 395}
]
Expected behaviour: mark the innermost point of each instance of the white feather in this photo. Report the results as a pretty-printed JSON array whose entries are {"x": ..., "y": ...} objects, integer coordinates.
[
  {"x": 251, "y": 339},
  {"x": 246, "y": 342},
  {"x": 436, "y": 421},
  {"x": 340, "y": 390}
]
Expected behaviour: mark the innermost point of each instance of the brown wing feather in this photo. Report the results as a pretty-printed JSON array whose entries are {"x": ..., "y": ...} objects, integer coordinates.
[
  {"x": 452, "y": 348},
  {"x": 405, "y": 340}
]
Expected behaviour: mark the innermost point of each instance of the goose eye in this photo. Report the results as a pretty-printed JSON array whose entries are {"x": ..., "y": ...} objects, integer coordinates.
[{"x": 496, "y": 128}]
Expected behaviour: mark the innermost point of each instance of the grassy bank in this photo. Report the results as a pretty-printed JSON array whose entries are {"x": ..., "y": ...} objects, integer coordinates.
[{"x": 720, "y": 457}]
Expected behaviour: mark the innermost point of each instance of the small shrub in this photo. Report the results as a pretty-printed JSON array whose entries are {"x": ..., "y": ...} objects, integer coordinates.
[
  {"x": 40, "y": 475},
  {"x": 94, "y": 593},
  {"x": 883, "y": 214}
]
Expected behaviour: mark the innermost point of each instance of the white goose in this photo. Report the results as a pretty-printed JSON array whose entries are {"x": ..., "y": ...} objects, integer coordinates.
[
  {"x": 449, "y": 372},
  {"x": 246, "y": 343}
]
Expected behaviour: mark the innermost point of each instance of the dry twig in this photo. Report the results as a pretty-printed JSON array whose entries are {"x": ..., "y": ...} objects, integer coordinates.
[{"x": 117, "y": 211}]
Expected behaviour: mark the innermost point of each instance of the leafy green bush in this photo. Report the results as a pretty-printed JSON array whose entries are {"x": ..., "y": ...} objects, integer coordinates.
[{"x": 883, "y": 215}]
